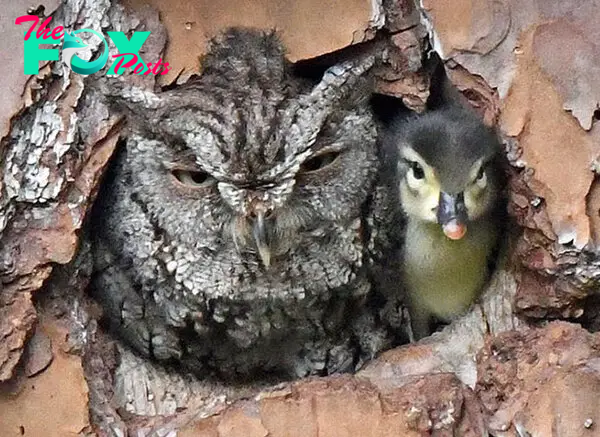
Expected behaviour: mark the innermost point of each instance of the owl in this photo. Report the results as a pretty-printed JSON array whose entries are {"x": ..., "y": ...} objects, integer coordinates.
[{"x": 241, "y": 227}]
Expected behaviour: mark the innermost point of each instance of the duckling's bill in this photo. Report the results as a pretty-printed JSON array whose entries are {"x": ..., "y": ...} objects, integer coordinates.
[{"x": 454, "y": 229}]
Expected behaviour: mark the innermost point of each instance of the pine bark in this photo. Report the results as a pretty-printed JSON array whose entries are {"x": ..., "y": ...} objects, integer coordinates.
[{"x": 530, "y": 68}]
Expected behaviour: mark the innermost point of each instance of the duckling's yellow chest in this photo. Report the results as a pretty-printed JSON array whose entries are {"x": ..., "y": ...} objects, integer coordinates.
[{"x": 444, "y": 276}]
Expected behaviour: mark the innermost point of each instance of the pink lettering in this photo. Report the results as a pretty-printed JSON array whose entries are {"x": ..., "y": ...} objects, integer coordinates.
[
  {"x": 43, "y": 31},
  {"x": 138, "y": 68},
  {"x": 57, "y": 32},
  {"x": 157, "y": 67},
  {"x": 25, "y": 18},
  {"x": 166, "y": 69},
  {"x": 128, "y": 64}
]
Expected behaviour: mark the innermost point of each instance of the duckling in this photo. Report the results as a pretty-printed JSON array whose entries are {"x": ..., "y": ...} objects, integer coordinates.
[{"x": 450, "y": 185}]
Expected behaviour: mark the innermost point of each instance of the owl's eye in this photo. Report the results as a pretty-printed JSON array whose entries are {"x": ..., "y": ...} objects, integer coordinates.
[
  {"x": 192, "y": 178},
  {"x": 319, "y": 162}
]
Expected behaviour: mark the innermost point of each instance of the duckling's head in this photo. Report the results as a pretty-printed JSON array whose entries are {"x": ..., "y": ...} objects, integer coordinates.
[{"x": 448, "y": 169}]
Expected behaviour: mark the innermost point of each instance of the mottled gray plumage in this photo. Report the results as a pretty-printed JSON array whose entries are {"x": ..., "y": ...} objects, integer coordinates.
[{"x": 240, "y": 224}]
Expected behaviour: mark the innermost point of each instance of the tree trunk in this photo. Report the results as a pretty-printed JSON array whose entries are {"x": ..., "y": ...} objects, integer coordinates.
[{"x": 523, "y": 361}]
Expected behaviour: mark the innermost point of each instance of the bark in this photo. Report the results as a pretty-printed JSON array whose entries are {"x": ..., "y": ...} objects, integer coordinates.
[{"x": 529, "y": 67}]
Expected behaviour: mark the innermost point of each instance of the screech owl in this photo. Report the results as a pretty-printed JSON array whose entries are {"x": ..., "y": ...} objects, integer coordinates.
[{"x": 241, "y": 223}]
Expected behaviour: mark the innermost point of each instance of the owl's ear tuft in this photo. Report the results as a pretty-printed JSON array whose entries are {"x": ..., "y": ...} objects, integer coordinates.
[
  {"x": 348, "y": 83},
  {"x": 240, "y": 52}
]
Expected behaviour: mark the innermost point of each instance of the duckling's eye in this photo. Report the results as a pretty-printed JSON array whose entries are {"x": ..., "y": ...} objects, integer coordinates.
[
  {"x": 417, "y": 170},
  {"x": 480, "y": 173}
]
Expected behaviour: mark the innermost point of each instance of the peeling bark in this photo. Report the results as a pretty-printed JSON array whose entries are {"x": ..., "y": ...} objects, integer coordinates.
[
  {"x": 529, "y": 67},
  {"x": 347, "y": 406}
]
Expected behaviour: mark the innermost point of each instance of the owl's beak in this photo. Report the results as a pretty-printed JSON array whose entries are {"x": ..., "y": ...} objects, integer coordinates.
[{"x": 261, "y": 238}]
